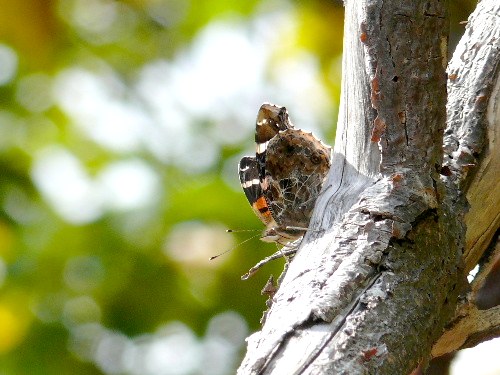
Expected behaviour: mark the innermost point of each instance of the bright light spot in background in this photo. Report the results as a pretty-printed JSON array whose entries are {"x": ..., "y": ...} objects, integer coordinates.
[
  {"x": 111, "y": 351},
  {"x": 98, "y": 21},
  {"x": 80, "y": 310},
  {"x": 98, "y": 105},
  {"x": 194, "y": 243},
  {"x": 225, "y": 333},
  {"x": 175, "y": 351},
  {"x": 8, "y": 64},
  {"x": 222, "y": 63},
  {"x": 480, "y": 360},
  {"x": 49, "y": 308},
  {"x": 176, "y": 138},
  {"x": 129, "y": 184},
  {"x": 84, "y": 340},
  {"x": 172, "y": 350},
  {"x": 190, "y": 245},
  {"x": 64, "y": 183},
  {"x": 34, "y": 92},
  {"x": 221, "y": 75},
  {"x": 304, "y": 68},
  {"x": 78, "y": 198},
  {"x": 95, "y": 16}
]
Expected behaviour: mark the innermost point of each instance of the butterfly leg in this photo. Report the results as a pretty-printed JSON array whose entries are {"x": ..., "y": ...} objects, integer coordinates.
[{"x": 281, "y": 253}]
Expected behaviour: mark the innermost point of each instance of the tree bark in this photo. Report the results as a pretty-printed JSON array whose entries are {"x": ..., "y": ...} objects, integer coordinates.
[
  {"x": 374, "y": 285},
  {"x": 472, "y": 159}
]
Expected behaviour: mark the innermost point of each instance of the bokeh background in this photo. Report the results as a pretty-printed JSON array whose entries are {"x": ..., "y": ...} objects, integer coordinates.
[{"x": 121, "y": 125}]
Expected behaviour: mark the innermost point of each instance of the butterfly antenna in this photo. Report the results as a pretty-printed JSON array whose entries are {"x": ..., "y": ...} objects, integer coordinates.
[
  {"x": 240, "y": 230},
  {"x": 241, "y": 243}
]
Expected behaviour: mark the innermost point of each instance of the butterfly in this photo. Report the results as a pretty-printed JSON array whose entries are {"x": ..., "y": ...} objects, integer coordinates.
[{"x": 285, "y": 177}]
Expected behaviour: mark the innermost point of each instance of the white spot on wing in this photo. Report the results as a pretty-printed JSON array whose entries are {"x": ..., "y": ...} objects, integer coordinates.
[
  {"x": 247, "y": 184},
  {"x": 261, "y": 147}
]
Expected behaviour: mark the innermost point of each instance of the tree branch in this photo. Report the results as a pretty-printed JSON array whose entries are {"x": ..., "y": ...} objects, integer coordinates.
[
  {"x": 373, "y": 291},
  {"x": 473, "y": 111},
  {"x": 473, "y": 164}
]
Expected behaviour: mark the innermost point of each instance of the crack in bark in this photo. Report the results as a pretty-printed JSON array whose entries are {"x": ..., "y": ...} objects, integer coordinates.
[{"x": 356, "y": 302}]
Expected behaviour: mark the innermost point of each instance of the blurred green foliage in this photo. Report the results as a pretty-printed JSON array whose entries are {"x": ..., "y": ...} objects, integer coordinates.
[{"x": 121, "y": 124}]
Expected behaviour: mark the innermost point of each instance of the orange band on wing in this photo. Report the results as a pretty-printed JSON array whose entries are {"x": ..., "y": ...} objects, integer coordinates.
[{"x": 262, "y": 210}]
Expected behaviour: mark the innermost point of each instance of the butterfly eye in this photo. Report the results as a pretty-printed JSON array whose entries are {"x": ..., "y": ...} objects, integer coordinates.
[{"x": 315, "y": 159}]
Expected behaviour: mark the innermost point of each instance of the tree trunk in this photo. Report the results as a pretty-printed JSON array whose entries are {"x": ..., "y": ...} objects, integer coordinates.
[{"x": 373, "y": 287}]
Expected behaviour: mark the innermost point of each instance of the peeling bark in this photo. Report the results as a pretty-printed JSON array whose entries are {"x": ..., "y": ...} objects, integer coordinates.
[{"x": 377, "y": 282}]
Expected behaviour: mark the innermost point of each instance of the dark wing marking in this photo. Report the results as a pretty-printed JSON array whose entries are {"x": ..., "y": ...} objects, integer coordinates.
[
  {"x": 250, "y": 182},
  {"x": 249, "y": 178}
]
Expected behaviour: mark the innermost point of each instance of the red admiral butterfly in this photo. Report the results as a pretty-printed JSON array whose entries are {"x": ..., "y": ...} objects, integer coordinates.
[{"x": 284, "y": 179}]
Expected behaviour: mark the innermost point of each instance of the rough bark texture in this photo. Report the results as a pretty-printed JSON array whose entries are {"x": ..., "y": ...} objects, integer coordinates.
[
  {"x": 373, "y": 290},
  {"x": 472, "y": 161},
  {"x": 473, "y": 125}
]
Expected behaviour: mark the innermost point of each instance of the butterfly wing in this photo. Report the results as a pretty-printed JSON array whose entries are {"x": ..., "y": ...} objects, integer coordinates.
[
  {"x": 250, "y": 182},
  {"x": 271, "y": 119},
  {"x": 254, "y": 177}
]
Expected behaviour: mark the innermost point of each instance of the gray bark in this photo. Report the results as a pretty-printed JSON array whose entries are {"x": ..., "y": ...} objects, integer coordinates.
[
  {"x": 374, "y": 285},
  {"x": 472, "y": 158}
]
